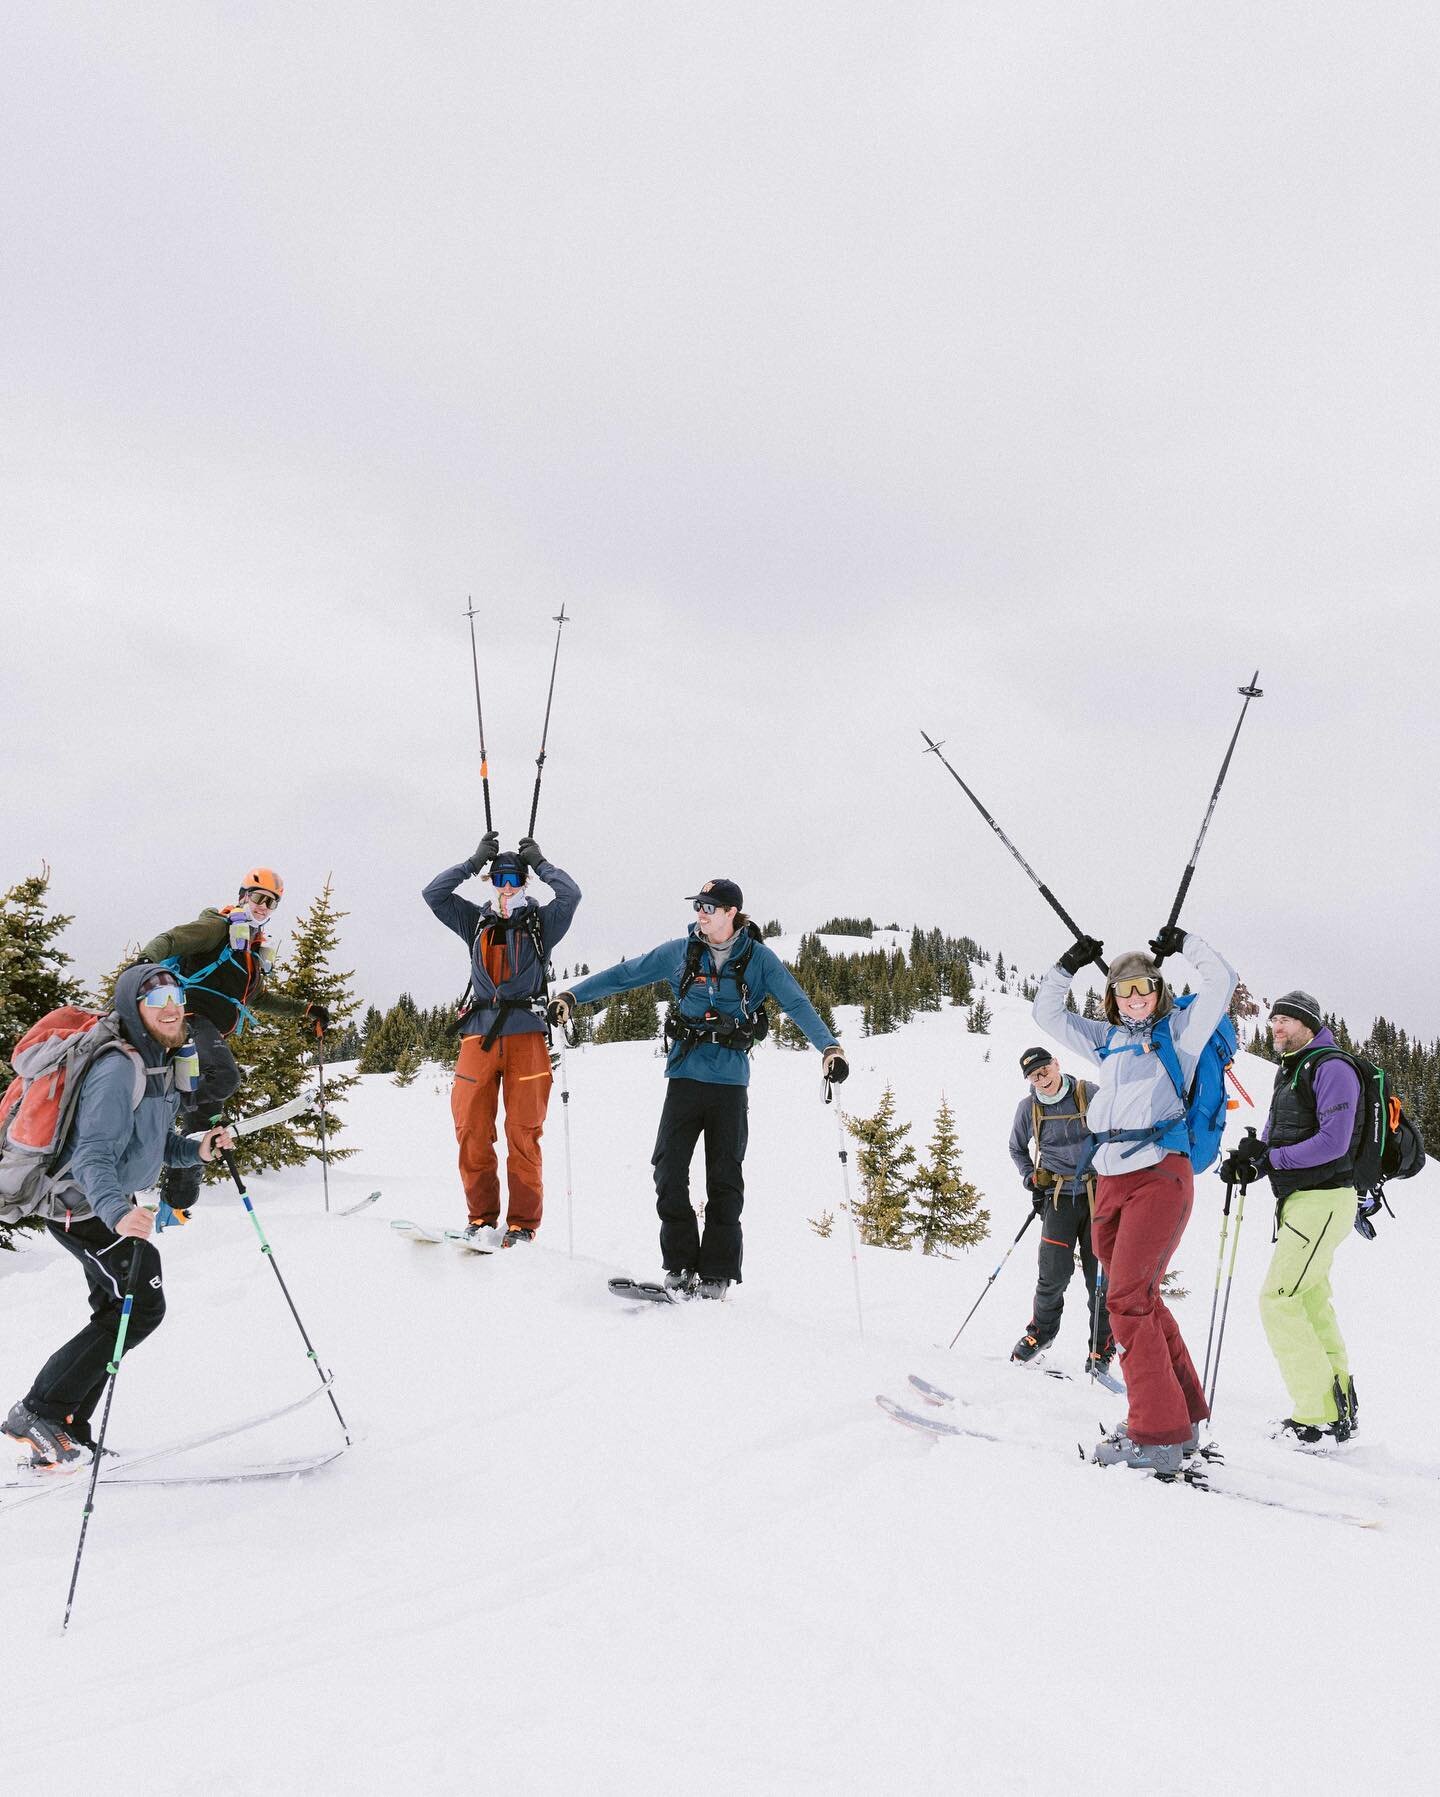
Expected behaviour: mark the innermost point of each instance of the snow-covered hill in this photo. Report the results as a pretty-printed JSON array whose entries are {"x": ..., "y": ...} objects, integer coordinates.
[{"x": 580, "y": 1548}]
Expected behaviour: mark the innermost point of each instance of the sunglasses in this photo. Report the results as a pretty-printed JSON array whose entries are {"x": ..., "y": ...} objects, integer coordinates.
[
  {"x": 257, "y": 896},
  {"x": 155, "y": 997},
  {"x": 1130, "y": 988},
  {"x": 508, "y": 876},
  {"x": 706, "y": 905}
]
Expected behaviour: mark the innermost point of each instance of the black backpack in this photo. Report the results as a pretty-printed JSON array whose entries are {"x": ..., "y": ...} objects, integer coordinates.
[{"x": 1386, "y": 1144}]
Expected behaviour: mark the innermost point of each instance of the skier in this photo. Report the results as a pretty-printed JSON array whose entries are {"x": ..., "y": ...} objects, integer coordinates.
[
  {"x": 1052, "y": 1114},
  {"x": 116, "y": 1147},
  {"x": 720, "y": 974},
  {"x": 504, "y": 1045},
  {"x": 1146, "y": 1186},
  {"x": 223, "y": 960},
  {"x": 1306, "y": 1152}
]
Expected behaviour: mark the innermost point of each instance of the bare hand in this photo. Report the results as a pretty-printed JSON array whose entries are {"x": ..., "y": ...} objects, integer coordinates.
[
  {"x": 137, "y": 1222},
  {"x": 214, "y": 1141}
]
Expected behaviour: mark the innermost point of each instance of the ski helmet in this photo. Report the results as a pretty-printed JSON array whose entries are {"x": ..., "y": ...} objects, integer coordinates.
[{"x": 263, "y": 879}]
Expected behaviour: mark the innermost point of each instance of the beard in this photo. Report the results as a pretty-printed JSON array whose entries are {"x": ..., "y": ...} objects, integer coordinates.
[{"x": 168, "y": 1036}]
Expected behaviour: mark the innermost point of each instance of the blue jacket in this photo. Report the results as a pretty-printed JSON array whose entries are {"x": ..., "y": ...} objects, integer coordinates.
[
  {"x": 766, "y": 976},
  {"x": 116, "y": 1147},
  {"x": 527, "y": 981},
  {"x": 1134, "y": 1091}
]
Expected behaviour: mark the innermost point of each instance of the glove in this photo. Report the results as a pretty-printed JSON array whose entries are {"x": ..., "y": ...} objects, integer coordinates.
[
  {"x": 1038, "y": 1199},
  {"x": 486, "y": 850},
  {"x": 164, "y": 1216},
  {"x": 1081, "y": 951},
  {"x": 560, "y": 1010},
  {"x": 1170, "y": 941},
  {"x": 530, "y": 854},
  {"x": 1364, "y": 1211},
  {"x": 836, "y": 1067},
  {"x": 318, "y": 1016},
  {"x": 1246, "y": 1163}
]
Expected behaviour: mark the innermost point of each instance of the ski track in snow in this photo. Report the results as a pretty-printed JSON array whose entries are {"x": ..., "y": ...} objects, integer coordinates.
[{"x": 576, "y": 1548}]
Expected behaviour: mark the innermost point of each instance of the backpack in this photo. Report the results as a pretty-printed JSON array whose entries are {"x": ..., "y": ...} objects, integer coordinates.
[
  {"x": 741, "y": 1032},
  {"x": 1386, "y": 1144},
  {"x": 50, "y": 1060},
  {"x": 1206, "y": 1102}
]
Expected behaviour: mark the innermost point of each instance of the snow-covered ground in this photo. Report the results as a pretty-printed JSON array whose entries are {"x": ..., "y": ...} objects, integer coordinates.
[{"x": 579, "y": 1547}]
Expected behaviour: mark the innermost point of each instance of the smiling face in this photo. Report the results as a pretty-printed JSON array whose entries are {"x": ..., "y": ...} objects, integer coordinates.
[
  {"x": 716, "y": 926},
  {"x": 1047, "y": 1079},
  {"x": 1134, "y": 1005},
  {"x": 1290, "y": 1033},
  {"x": 162, "y": 1011}
]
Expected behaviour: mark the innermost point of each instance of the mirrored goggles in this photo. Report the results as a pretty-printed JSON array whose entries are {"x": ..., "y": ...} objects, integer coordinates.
[
  {"x": 257, "y": 895},
  {"x": 155, "y": 994},
  {"x": 705, "y": 905},
  {"x": 1130, "y": 988},
  {"x": 508, "y": 876}
]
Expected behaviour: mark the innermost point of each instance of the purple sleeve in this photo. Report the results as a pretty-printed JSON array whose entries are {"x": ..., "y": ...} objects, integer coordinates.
[{"x": 1337, "y": 1097}]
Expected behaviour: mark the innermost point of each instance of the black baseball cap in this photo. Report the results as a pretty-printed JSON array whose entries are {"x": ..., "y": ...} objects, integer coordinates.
[
  {"x": 1034, "y": 1059},
  {"x": 719, "y": 892}
]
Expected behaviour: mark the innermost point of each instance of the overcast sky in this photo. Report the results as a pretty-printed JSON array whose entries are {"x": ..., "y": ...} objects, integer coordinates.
[{"x": 1029, "y": 373}]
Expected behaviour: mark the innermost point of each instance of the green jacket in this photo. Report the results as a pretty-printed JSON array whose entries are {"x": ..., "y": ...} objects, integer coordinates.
[{"x": 229, "y": 989}]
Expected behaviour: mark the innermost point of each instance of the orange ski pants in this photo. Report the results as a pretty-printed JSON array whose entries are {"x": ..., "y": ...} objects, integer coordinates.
[{"x": 518, "y": 1065}]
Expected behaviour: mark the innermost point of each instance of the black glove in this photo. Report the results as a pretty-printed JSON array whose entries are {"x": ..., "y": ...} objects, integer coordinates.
[
  {"x": 530, "y": 853},
  {"x": 486, "y": 850},
  {"x": 1364, "y": 1211},
  {"x": 1170, "y": 941},
  {"x": 1038, "y": 1195},
  {"x": 1246, "y": 1163},
  {"x": 318, "y": 1017},
  {"x": 1081, "y": 951},
  {"x": 560, "y": 1010},
  {"x": 837, "y": 1068}
]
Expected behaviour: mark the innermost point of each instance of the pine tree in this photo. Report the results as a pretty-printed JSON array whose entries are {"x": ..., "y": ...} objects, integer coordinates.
[
  {"x": 944, "y": 1209},
  {"x": 882, "y": 1162},
  {"x": 407, "y": 1067},
  {"x": 33, "y": 966},
  {"x": 962, "y": 982},
  {"x": 978, "y": 1022},
  {"x": 1093, "y": 1006}
]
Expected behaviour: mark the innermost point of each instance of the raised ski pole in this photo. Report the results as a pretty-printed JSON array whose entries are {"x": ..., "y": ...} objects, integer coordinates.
[
  {"x": 995, "y": 1275},
  {"x": 1225, "y": 1307},
  {"x": 480, "y": 718},
  {"x": 565, "y": 1113},
  {"x": 324, "y": 1137},
  {"x": 1248, "y": 693},
  {"x": 933, "y": 748},
  {"x": 560, "y": 622},
  {"x": 227, "y": 1155},
  {"x": 113, "y": 1369},
  {"x": 849, "y": 1214}
]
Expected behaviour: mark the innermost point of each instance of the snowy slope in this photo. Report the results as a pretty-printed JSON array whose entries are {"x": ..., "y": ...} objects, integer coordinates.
[{"x": 581, "y": 1548}]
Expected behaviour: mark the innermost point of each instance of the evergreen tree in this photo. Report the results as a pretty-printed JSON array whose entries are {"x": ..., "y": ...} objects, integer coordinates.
[
  {"x": 962, "y": 982},
  {"x": 978, "y": 1022},
  {"x": 1093, "y": 1007},
  {"x": 882, "y": 1160},
  {"x": 944, "y": 1208},
  {"x": 406, "y": 1067},
  {"x": 772, "y": 928},
  {"x": 1000, "y": 970},
  {"x": 631, "y": 1016},
  {"x": 33, "y": 967}
]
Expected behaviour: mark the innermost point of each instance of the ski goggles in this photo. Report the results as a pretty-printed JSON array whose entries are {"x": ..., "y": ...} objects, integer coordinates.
[
  {"x": 1141, "y": 987},
  {"x": 508, "y": 876},
  {"x": 257, "y": 895},
  {"x": 159, "y": 990}
]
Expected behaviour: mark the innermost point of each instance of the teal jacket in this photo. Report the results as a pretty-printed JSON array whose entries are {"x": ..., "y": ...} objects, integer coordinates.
[{"x": 766, "y": 976}]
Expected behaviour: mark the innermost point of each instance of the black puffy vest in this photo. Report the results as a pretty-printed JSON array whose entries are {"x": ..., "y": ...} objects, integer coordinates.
[{"x": 1294, "y": 1118}]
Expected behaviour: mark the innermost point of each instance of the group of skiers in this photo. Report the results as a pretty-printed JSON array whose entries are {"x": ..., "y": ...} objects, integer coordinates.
[
  {"x": 1127, "y": 1217},
  {"x": 1110, "y": 1172}
]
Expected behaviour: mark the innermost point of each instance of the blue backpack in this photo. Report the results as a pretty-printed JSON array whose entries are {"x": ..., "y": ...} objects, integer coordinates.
[{"x": 1205, "y": 1102}]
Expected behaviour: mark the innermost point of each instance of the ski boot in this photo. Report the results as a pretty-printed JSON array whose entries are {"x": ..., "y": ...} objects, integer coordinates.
[
  {"x": 51, "y": 1447},
  {"x": 483, "y": 1235},
  {"x": 1028, "y": 1346},
  {"x": 683, "y": 1284},
  {"x": 514, "y": 1236},
  {"x": 1165, "y": 1459},
  {"x": 714, "y": 1288}
]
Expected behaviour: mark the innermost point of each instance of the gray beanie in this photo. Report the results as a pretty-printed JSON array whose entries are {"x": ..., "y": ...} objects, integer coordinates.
[{"x": 1304, "y": 1007}]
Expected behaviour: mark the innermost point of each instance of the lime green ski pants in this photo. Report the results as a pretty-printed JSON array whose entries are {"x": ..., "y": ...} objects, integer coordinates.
[{"x": 1296, "y": 1306}]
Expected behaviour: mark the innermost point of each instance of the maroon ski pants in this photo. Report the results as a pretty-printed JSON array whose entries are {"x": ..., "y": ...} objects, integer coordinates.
[{"x": 1139, "y": 1219}]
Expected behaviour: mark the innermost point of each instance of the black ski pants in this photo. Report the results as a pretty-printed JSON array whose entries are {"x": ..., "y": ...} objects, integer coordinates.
[
  {"x": 696, "y": 1107},
  {"x": 72, "y": 1381},
  {"x": 1064, "y": 1225},
  {"x": 219, "y": 1079}
]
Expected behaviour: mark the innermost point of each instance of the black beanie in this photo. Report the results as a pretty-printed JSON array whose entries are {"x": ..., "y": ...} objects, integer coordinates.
[{"x": 1304, "y": 1007}]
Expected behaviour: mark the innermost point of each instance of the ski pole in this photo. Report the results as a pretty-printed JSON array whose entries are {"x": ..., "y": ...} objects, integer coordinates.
[
  {"x": 995, "y": 1275},
  {"x": 560, "y": 622},
  {"x": 113, "y": 1369},
  {"x": 324, "y": 1137},
  {"x": 565, "y": 1113},
  {"x": 933, "y": 748},
  {"x": 480, "y": 718},
  {"x": 1248, "y": 693},
  {"x": 1225, "y": 1307},
  {"x": 228, "y": 1156},
  {"x": 849, "y": 1214},
  {"x": 1219, "y": 1265}
]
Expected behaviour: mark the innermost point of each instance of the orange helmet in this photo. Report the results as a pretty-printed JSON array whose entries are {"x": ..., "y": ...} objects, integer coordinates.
[{"x": 265, "y": 879}]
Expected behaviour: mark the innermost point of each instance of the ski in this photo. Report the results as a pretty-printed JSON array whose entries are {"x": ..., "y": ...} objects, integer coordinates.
[
  {"x": 238, "y": 1475},
  {"x": 647, "y": 1291},
  {"x": 932, "y": 1394},
  {"x": 468, "y": 1244},
  {"x": 350, "y": 1209},
  {"x": 62, "y": 1482},
  {"x": 282, "y": 1113},
  {"x": 417, "y": 1232},
  {"x": 933, "y": 1426}
]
